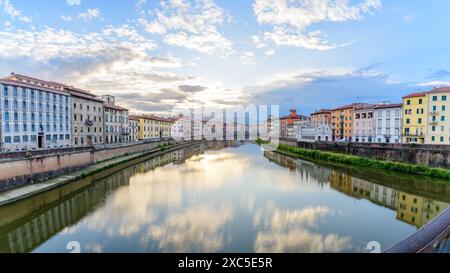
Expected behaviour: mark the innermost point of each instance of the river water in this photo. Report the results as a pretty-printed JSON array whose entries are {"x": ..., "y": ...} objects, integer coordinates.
[{"x": 225, "y": 197}]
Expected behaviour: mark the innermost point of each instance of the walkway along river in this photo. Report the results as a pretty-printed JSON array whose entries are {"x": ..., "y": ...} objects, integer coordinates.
[{"x": 225, "y": 197}]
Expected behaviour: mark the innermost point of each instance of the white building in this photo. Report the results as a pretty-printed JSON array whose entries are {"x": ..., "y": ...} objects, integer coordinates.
[
  {"x": 313, "y": 132},
  {"x": 116, "y": 121},
  {"x": 134, "y": 128},
  {"x": 182, "y": 128},
  {"x": 35, "y": 114},
  {"x": 388, "y": 123}
]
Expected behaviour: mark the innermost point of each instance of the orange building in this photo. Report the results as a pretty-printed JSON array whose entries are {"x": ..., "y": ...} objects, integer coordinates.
[
  {"x": 342, "y": 121},
  {"x": 287, "y": 122},
  {"x": 321, "y": 117}
]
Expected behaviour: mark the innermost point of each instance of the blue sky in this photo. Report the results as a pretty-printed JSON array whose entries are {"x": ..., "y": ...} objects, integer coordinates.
[{"x": 160, "y": 55}]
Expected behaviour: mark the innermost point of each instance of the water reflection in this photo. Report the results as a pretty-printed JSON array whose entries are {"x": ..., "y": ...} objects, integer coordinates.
[
  {"x": 411, "y": 208},
  {"x": 227, "y": 197}
]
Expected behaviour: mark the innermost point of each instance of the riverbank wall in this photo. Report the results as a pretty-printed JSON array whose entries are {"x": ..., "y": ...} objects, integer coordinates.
[
  {"x": 16, "y": 172},
  {"x": 434, "y": 156}
]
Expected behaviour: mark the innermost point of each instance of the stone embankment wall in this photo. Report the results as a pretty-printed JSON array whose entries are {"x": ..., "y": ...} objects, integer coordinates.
[
  {"x": 36, "y": 167},
  {"x": 431, "y": 155}
]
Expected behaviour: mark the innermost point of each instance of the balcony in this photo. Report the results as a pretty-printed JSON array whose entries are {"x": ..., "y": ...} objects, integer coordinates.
[
  {"x": 387, "y": 135},
  {"x": 89, "y": 123},
  {"x": 434, "y": 113},
  {"x": 433, "y": 123}
]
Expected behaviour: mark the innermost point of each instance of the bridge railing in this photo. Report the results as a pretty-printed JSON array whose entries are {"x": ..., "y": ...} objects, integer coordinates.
[{"x": 434, "y": 237}]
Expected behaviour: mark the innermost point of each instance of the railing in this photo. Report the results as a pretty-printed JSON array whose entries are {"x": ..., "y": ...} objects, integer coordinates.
[
  {"x": 434, "y": 113},
  {"x": 433, "y": 123},
  {"x": 431, "y": 238}
]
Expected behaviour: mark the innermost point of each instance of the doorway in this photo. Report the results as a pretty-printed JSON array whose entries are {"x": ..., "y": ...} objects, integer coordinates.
[{"x": 40, "y": 142}]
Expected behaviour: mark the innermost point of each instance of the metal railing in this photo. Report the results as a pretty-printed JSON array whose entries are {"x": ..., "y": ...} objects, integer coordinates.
[{"x": 431, "y": 238}]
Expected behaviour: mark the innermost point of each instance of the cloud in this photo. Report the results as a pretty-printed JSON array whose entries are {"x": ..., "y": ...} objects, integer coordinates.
[
  {"x": 312, "y": 89},
  {"x": 248, "y": 57},
  {"x": 10, "y": 10},
  {"x": 191, "y": 25},
  {"x": 290, "y": 20},
  {"x": 66, "y": 18},
  {"x": 190, "y": 88},
  {"x": 432, "y": 84},
  {"x": 91, "y": 14},
  {"x": 282, "y": 231},
  {"x": 73, "y": 2},
  {"x": 439, "y": 74}
]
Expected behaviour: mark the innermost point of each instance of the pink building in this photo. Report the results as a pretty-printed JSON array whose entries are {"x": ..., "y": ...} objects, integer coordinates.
[{"x": 363, "y": 130}]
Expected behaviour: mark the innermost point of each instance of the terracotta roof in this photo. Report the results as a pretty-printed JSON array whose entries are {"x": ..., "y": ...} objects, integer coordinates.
[
  {"x": 322, "y": 111},
  {"x": 440, "y": 89},
  {"x": 151, "y": 117},
  {"x": 115, "y": 107},
  {"x": 365, "y": 107},
  {"x": 353, "y": 105},
  {"x": 415, "y": 95},
  {"x": 393, "y": 105},
  {"x": 32, "y": 86}
]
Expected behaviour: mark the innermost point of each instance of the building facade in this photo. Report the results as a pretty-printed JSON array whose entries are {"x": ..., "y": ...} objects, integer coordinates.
[
  {"x": 287, "y": 129},
  {"x": 134, "y": 128},
  {"x": 415, "y": 116},
  {"x": 388, "y": 123},
  {"x": 321, "y": 117},
  {"x": 116, "y": 121},
  {"x": 313, "y": 132},
  {"x": 342, "y": 122},
  {"x": 363, "y": 124},
  {"x": 35, "y": 114},
  {"x": 438, "y": 123},
  {"x": 152, "y": 127},
  {"x": 87, "y": 118}
]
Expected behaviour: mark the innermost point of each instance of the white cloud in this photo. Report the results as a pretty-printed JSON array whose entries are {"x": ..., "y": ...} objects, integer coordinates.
[
  {"x": 433, "y": 84},
  {"x": 9, "y": 9},
  {"x": 73, "y": 2},
  {"x": 90, "y": 14},
  {"x": 66, "y": 18},
  {"x": 248, "y": 57},
  {"x": 290, "y": 19},
  {"x": 194, "y": 26}
]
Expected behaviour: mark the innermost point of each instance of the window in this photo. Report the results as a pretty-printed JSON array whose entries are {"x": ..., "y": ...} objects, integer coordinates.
[
  {"x": 408, "y": 121},
  {"x": 419, "y": 121},
  {"x": 408, "y": 102},
  {"x": 443, "y": 108},
  {"x": 442, "y": 128},
  {"x": 420, "y": 101},
  {"x": 16, "y": 139},
  {"x": 443, "y": 118},
  {"x": 442, "y": 139},
  {"x": 433, "y": 128},
  {"x": 433, "y": 138},
  {"x": 24, "y": 138},
  {"x": 444, "y": 98},
  {"x": 7, "y": 139},
  {"x": 435, "y": 98}
]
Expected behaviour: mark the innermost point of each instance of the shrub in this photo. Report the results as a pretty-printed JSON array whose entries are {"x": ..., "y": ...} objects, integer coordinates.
[{"x": 366, "y": 162}]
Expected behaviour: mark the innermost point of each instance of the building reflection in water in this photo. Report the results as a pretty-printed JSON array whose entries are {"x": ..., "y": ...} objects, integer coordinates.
[
  {"x": 411, "y": 208},
  {"x": 206, "y": 200},
  {"x": 25, "y": 235}
]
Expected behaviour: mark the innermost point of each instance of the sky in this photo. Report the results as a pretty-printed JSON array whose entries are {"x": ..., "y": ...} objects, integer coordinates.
[{"x": 161, "y": 56}]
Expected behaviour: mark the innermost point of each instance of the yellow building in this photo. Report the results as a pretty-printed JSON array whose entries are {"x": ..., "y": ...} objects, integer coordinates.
[
  {"x": 415, "y": 118},
  {"x": 438, "y": 118},
  {"x": 418, "y": 210},
  {"x": 152, "y": 127}
]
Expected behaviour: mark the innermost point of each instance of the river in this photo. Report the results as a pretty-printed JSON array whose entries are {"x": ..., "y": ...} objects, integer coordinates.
[{"x": 225, "y": 197}]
